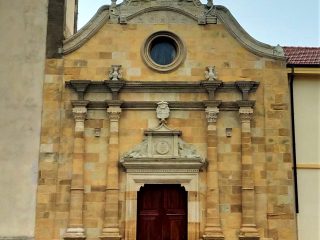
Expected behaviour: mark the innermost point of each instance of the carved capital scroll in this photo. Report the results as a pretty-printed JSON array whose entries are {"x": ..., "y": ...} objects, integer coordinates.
[
  {"x": 246, "y": 114},
  {"x": 212, "y": 114},
  {"x": 79, "y": 112},
  {"x": 114, "y": 113}
]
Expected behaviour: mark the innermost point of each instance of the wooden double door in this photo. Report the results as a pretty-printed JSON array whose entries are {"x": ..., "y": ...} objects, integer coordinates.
[{"x": 162, "y": 212}]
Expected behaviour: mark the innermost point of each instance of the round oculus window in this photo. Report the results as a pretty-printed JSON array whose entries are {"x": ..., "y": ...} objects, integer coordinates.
[{"x": 163, "y": 51}]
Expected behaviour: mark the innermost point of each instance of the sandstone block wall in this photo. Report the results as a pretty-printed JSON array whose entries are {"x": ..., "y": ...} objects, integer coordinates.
[{"x": 206, "y": 45}]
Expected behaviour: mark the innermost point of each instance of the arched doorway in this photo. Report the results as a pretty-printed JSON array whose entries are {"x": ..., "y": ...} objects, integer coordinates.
[{"x": 162, "y": 212}]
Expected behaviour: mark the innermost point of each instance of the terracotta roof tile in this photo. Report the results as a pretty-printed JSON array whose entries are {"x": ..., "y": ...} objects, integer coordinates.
[{"x": 302, "y": 55}]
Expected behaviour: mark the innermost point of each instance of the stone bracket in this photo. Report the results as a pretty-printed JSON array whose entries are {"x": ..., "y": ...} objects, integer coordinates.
[
  {"x": 246, "y": 87},
  {"x": 211, "y": 87},
  {"x": 115, "y": 87},
  {"x": 80, "y": 86}
]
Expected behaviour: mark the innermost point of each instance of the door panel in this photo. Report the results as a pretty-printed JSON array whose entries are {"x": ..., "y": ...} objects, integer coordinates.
[{"x": 162, "y": 213}]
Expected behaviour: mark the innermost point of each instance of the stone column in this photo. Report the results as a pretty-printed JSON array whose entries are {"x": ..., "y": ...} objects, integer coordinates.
[
  {"x": 75, "y": 228},
  {"x": 213, "y": 227},
  {"x": 111, "y": 217},
  {"x": 248, "y": 230}
]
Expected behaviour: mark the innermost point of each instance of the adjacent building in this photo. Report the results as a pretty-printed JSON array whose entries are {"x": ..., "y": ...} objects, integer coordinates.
[{"x": 303, "y": 66}]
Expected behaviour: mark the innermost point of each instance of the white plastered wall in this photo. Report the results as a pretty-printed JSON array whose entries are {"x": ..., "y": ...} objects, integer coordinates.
[
  {"x": 22, "y": 49},
  {"x": 307, "y": 128}
]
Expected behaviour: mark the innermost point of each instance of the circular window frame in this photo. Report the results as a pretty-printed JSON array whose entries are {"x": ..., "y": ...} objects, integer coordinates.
[{"x": 180, "y": 51}]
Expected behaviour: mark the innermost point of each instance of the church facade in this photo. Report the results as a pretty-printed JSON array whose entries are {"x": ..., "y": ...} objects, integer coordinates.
[{"x": 165, "y": 120}]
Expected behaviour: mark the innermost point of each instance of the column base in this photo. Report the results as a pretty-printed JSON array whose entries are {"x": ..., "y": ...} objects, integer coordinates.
[
  {"x": 249, "y": 232},
  {"x": 74, "y": 233},
  {"x": 213, "y": 233},
  {"x": 212, "y": 237},
  {"x": 110, "y": 234}
]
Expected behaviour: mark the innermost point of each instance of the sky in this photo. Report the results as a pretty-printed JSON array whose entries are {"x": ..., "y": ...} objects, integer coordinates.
[{"x": 284, "y": 22}]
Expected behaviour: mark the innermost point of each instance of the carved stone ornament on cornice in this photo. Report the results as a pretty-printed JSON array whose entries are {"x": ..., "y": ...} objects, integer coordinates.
[
  {"x": 162, "y": 111},
  {"x": 211, "y": 73},
  {"x": 115, "y": 73}
]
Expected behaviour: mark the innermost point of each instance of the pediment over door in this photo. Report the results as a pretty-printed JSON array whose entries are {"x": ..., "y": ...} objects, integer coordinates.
[{"x": 162, "y": 150}]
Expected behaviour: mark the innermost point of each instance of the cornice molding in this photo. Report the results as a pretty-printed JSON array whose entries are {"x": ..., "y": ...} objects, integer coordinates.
[
  {"x": 222, "y": 13},
  {"x": 250, "y": 43},
  {"x": 174, "y": 105},
  {"x": 304, "y": 70},
  {"x": 88, "y": 31},
  {"x": 163, "y": 86}
]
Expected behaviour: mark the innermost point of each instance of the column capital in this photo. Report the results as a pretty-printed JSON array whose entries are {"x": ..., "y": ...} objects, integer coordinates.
[
  {"x": 245, "y": 114},
  {"x": 79, "y": 112},
  {"x": 114, "y": 113},
  {"x": 212, "y": 114}
]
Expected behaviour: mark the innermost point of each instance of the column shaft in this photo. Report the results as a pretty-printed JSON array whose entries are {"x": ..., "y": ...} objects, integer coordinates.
[
  {"x": 75, "y": 228},
  {"x": 248, "y": 227},
  {"x": 213, "y": 227},
  {"x": 111, "y": 219}
]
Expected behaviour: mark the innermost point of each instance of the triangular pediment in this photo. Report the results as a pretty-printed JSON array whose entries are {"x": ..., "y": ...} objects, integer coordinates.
[{"x": 162, "y": 148}]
